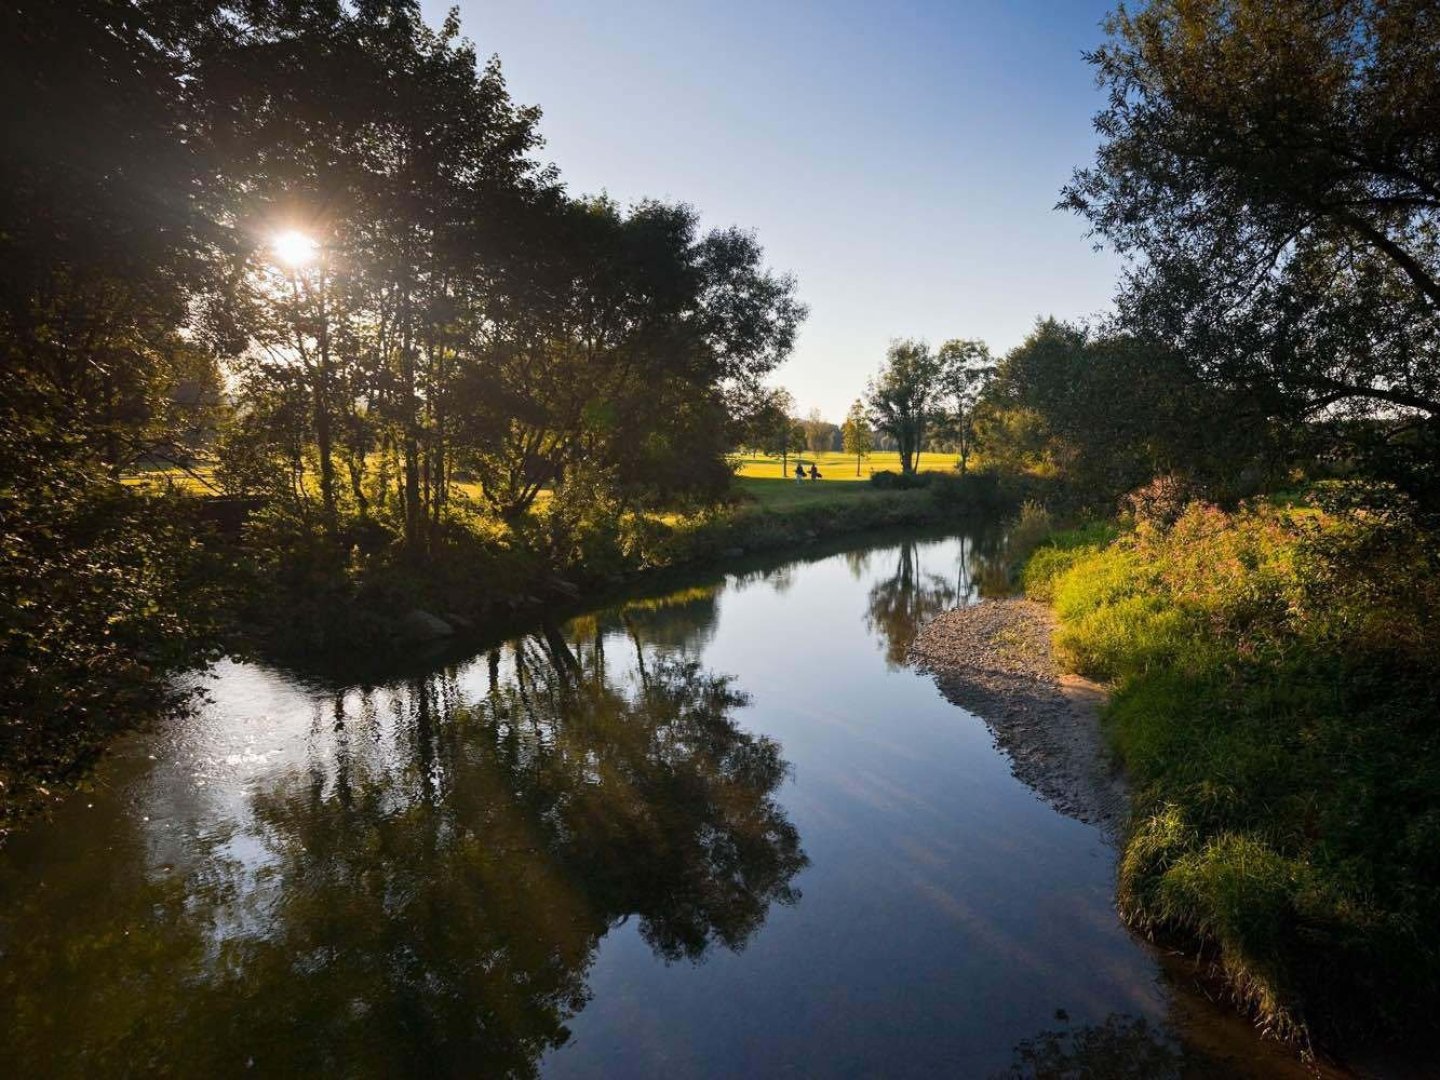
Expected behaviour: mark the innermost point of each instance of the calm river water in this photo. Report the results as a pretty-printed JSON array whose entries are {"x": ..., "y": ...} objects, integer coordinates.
[{"x": 721, "y": 831}]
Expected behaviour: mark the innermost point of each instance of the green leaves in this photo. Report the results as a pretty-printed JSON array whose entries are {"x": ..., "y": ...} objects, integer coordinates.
[{"x": 1273, "y": 173}]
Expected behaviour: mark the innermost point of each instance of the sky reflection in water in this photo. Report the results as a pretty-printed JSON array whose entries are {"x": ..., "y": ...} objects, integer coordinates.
[{"x": 718, "y": 831}]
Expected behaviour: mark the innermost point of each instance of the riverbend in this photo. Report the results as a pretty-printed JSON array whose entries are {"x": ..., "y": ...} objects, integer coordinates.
[{"x": 721, "y": 830}]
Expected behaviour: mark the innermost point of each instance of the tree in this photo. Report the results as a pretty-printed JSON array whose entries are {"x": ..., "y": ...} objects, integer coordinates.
[
  {"x": 625, "y": 359},
  {"x": 856, "y": 433},
  {"x": 796, "y": 439},
  {"x": 965, "y": 369},
  {"x": 902, "y": 398},
  {"x": 819, "y": 433},
  {"x": 1271, "y": 169},
  {"x": 1111, "y": 412},
  {"x": 106, "y": 200},
  {"x": 445, "y": 305},
  {"x": 769, "y": 427}
]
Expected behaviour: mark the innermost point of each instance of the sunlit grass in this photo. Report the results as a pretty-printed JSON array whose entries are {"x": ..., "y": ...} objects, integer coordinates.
[
  {"x": 1283, "y": 783},
  {"x": 758, "y": 478},
  {"x": 836, "y": 466},
  {"x": 773, "y": 493},
  {"x": 758, "y": 482},
  {"x": 198, "y": 479}
]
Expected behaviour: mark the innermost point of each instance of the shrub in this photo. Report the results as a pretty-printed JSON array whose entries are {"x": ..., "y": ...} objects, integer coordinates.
[
  {"x": 1275, "y": 679},
  {"x": 1058, "y": 553},
  {"x": 1160, "y": 502},
  {"x": 582, "y": 524},
  {"x": 972, "y": 492},
  {"x": 1027, "y": 532}
]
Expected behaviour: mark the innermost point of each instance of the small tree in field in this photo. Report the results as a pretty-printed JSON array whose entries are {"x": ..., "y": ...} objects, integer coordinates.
[
  {"x": 856, "y": 433},
  {"x": 819, "y": 433},
  {"x": 788, "y": 438},
  {"x": 965, "y": 370},
  {"x": 796, "y": 443},
  {"x": 771, "y": 427},
  {"x": 904, "y": 397}
]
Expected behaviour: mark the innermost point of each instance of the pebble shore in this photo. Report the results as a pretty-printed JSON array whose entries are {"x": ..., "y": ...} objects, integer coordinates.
[{"x": 994, "y": 659}]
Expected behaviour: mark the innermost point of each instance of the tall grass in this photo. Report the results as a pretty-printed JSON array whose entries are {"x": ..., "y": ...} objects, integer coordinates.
[{"x": 1276, "y": 705}]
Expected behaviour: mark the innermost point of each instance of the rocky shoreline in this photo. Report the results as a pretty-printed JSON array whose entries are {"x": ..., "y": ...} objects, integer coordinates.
[{"x": 994, "y": 659}]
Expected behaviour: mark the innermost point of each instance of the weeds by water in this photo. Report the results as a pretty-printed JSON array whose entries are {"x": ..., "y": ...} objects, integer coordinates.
[{"x": 1275, "y": 703}]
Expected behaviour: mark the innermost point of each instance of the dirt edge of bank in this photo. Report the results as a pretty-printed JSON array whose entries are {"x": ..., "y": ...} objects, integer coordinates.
[{"x": 995, "y": 659}]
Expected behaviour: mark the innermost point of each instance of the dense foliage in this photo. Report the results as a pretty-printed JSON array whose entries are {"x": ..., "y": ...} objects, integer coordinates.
[
  {"x": 1273, "y": 168},
  {"x": 1107, "y": 412},
  {"x": 304, "y": 255},
  {"x": 1276, "y": 701},
  {"x": 1271, "y": 172}
]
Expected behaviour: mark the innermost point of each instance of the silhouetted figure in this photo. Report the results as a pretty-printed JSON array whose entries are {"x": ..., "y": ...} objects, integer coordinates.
[
  {"x": 814, "y": 472},
  {"x": 799, "y": 473}
]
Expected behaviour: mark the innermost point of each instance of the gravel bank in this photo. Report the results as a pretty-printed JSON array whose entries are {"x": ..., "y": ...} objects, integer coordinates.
[{"x": 994, "y": 660}]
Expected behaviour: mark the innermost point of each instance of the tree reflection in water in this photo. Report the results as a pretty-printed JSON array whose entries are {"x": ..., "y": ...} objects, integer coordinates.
[
  {"x": 428, "y": 893},
  {"x": 906, "y": 600},
  {"x": 1121, "y": 1048},
  {"x": 899, "y": 605}
]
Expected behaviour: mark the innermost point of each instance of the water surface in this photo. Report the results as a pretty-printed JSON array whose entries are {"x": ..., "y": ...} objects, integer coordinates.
[{"x": 716, "y": 831}]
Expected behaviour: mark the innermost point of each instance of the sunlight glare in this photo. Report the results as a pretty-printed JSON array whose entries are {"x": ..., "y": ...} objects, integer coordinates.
[{"x": 294, "y": 249}]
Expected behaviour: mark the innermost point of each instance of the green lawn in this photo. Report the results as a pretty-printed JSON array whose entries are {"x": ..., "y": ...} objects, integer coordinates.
[
  {"x": 759, "y": 478},
  {"x": 199, "y": 479},
  {"x": 773, "y": 493},
  {"x": 842, "y": 466}
]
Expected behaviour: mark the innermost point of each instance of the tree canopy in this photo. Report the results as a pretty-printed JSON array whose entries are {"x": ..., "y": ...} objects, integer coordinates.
[
  {"x": 904, "y": 397},
  {"x": 307, "y": 254},
  {"x": 1272, "y": 169}
]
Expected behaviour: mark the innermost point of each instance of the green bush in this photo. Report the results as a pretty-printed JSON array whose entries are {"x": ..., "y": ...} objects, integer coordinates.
[
  {"x": 973, "y": 492},
  {"x": 1275, "y": 704},
  {"x": 105, "y": 594},
  {"x": 888, "y": 480}
]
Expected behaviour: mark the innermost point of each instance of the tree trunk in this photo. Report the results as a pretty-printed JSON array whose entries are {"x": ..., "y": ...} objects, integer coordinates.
[{"x": 324, "y": 442}]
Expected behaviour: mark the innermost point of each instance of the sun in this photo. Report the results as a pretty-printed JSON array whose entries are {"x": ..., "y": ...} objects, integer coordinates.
[{"x": 294, "y": 249}]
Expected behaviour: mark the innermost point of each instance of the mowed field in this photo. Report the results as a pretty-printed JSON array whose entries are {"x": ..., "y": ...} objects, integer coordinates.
[
  {"x": 200, "y": 479},
  {"x": 760, "y": 478},
  {"x": 773, "y": 488},
  {"x": 835, "y": 466}
]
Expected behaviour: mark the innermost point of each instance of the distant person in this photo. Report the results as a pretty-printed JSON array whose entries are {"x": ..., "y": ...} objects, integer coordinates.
[
  {"x": 814, "y": 472},
  {"x": 799, "y": 473}
]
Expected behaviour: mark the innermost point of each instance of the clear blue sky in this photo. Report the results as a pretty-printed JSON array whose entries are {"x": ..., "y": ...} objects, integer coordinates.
[{"x": 901, "y": 159}]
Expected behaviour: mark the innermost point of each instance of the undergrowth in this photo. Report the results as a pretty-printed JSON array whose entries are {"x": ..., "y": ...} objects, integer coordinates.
[{"x": 1275, "y": 704}]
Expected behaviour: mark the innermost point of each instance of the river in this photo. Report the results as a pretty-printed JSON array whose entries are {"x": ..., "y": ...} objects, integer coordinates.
[{"x": 719, "y": 830}]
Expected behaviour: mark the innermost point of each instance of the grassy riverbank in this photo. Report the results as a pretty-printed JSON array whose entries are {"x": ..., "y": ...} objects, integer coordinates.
[
  {"x": 300, "y": 599},
  {"x": 1275, "y": 678},
  {"x": 281, "y": 589}
]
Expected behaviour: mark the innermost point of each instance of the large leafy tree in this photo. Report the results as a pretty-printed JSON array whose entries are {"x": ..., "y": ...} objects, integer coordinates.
[
  {"x": 408, "y": 164},
  {"x": 452, "y": 307},
  {"x": 1273, "y": 170},
  {"x": 105, "y": 228},
  {"x": 625, "y": 337},
  {"x": 1112, "y": 411},
  {"x": 965, "y": 370},
  {"x": 904, "y": 397}
]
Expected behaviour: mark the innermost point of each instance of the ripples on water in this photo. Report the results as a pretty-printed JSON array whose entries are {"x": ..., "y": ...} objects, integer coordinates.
[{"x": 720, "y": 831}]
